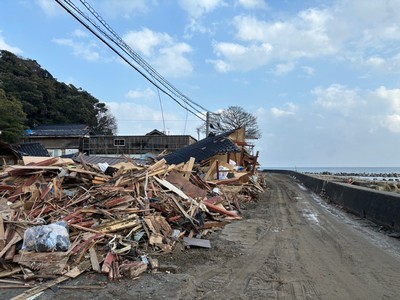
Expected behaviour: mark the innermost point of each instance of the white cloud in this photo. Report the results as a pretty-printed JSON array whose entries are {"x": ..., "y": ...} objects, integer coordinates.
[
  {"x": 391, "y": 97},
  {"x": 80, "y": 33},
  {"x": 392, "y": 122},
  {"x": 50, "y": 7},
  {"x": 220, "y": 65},
  {"x": 146, "y": 41},
  {"x": 390, "y": 105},
  {"x": 365, "y": 27},
  {"x": 141, "y": 94},
  {"x": 197, "y": 9},
  {"x": 172, "y": 60},
  {"x": 165, "y": 54},
  {"x": 137, "y": 119},
  {"x": 324, "y": 137},
  {"x": 290, "y": 109},
  {"x": 5, "y": 46},
  {"x": 308, "y": 70},
  {"x": 337, "y": 97},
  {"x": 124, "y": 8},
  {"x": 193, "y": 26},
  {"x": 304, "y": 36},
  {"x": 262, "y": 42},
  {"x": 370, "y": 23},
  {"x": 375, "y": 61},
  {"x": 239, "y": 57},
  {"x": 87, "y": 51},
  {"x": 283, "y": 69},
  {"x": 349, "y": 30},
  {"x": 253, "y": 4}
]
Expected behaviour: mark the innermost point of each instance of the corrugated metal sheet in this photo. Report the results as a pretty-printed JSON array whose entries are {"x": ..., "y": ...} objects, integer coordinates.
[{"x": 93, "y": 160}]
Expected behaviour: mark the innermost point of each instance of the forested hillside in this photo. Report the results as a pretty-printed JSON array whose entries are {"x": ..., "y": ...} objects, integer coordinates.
[{"x": 32, "y": 96}]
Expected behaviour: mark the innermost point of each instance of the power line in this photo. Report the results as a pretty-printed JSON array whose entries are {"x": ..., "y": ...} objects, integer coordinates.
[
  {"x": 154, "y": 77},
  {"x": 137, "y": 57},
  {"x": 162, "y": 111},
  {"x": 79, "y": 12}
]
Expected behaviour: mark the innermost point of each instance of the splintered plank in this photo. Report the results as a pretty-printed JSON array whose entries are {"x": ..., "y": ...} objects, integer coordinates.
[
  {"x": 188, "y": 167},
  {"x": 45, "y": 161},
  {"x": 82, "y": 267},
  {"x": 179, "y": 181},
  {"x": 94, "y": 260},
  {"x": 161, "y": 163},
  {"x": 32, "y": 168},
  {"x": 210, "y": 171},
  {"x": 13, "y": 271},
  {"x": 172, "y": 188},
  {"x": 47, "y": 263},
  {"x": 118, "y": 225},
  {"x": 15, "y": 239},
  {"x": 197, "y": 242},
  {"x": 117, "y": 201},
  {"x": 2, "y": 233}
]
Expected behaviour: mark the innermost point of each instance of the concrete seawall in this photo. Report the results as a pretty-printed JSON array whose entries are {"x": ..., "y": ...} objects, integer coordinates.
[{"x": 382, "y": 208}]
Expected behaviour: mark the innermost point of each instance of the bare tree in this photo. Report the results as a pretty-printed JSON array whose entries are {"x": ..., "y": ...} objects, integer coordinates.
[
  {"x": 106, "y": 123},
  {"x": 232, "y": 118}
]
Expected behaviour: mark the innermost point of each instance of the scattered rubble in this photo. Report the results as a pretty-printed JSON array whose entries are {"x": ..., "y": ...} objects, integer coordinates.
[{"x": 118, "y": 218}]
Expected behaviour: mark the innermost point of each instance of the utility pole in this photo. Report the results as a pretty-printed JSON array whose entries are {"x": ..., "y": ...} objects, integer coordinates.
[{"x": 207, "y": 123}]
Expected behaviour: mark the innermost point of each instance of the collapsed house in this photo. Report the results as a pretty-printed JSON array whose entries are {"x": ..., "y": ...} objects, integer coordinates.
[
  {"x": 219, "y": 153},
  {"x": 12, "y": 154},
  {"x": 62, "y": 217}
]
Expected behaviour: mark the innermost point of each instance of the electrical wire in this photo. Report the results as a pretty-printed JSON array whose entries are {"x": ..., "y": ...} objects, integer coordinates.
[
  {"x": 162, "y": 111},
  {"x": 140, "y": 60},
  {"x": 112, "y": 48},
  {"x": 155, "y": 78}
]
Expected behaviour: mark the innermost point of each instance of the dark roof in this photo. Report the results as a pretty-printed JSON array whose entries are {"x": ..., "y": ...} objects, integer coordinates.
[
  {"x": 7, "y": 149},
  {"x": 156, "y": 132},
  {"x": 31, "y": 149},
  {"x": 59, "y": 130},
  {"x": 93, "y": 160},
  {"x": 203, "y": 149}
]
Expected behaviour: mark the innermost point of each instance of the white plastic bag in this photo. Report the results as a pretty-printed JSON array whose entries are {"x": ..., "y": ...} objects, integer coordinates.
[{"x": 47, "y": 238}]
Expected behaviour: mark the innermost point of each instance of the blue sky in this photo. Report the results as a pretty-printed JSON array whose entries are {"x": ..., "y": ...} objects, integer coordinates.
[{"x": 322, "y": 77}]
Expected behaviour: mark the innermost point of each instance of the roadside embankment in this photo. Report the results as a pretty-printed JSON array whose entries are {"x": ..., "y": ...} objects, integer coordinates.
[{"x": 382, "y": 208}]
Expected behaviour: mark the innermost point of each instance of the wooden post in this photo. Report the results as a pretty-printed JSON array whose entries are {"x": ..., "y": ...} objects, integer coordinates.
[{"x": 254, "y": 163}]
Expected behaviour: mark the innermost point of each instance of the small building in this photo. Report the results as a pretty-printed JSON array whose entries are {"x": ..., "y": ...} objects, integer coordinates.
[
  {"x": 59, "y": 139},
  {"x": 73, "y": 138},
  {"x": 153, "y": 142}
]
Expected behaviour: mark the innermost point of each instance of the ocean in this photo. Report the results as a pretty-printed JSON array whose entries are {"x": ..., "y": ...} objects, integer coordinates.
[{"x": 335, "y": 170}]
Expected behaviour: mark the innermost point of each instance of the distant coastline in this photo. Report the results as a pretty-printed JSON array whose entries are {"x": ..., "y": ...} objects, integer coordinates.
[{"x": 339, "y": 170}]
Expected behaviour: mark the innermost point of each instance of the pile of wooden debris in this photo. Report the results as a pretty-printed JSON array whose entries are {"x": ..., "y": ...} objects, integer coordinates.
[{"x": 117, "y": 216}]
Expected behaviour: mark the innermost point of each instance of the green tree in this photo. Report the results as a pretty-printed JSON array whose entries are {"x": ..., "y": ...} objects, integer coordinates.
[
  {"x": 12, "y": 118},
  {"x": 47, "y": 101}
]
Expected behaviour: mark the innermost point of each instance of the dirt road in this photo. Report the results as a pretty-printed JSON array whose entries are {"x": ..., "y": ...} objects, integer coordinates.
[
  {"x": 289, "y": 245},
  {"x": 297, "y": 247}
]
